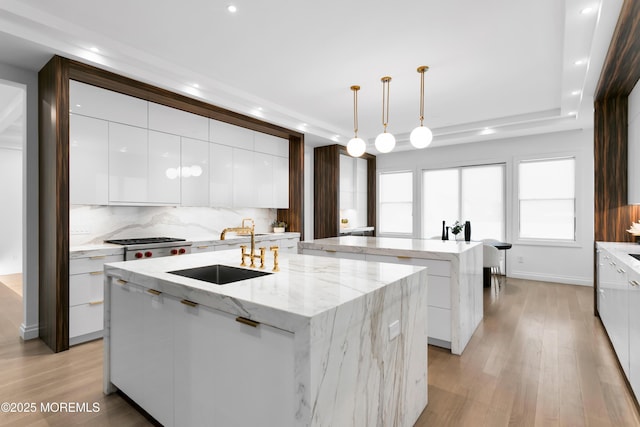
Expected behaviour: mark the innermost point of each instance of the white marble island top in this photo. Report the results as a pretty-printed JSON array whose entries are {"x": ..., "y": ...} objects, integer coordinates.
[{"x": 305, "y": 286}]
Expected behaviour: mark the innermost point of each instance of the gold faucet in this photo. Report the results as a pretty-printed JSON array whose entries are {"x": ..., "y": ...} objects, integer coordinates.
[
  {"x": 253, "y": 224},
  {"x": 275, "y": 258},
  {"x": 251, "y": 255}
]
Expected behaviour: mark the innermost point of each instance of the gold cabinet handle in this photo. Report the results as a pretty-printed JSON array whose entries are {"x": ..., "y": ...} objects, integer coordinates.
[
  {"x": 153, "y": 292},
  {"x": 248, "y": 322},
  {"x": 95, "y": 273},
  {"x": 331, "y": 251},
  {"x": 121, "y": 282},
  {"x": 202, "y": 247},
  {"x": 189, "y": 303},
  {"x": 95, "y": 302},
  {"x": 97, "y": 257},
  {"x": 403, "y": 257}
]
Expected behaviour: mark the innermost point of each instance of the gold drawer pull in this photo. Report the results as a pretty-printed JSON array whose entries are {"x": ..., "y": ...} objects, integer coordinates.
[
  {"x": 202, "y": 247},
  {"x": 121, "y": 282},
  {"x": 97, "y": 257},
  {"x": 331, "y": 251},
  {"x": 96, "y": 302},
  {"x": 189, "y": 303},
  {"x": 403, "y": 257},
  {"x": 154, "y": 292},
  {"x": 95, "y": 273},
  {"x": 248, "y": 322}
]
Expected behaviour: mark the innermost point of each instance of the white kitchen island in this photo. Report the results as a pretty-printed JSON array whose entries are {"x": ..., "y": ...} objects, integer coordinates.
[
  {"x": 455, "y": 278},
  {"x": 322, "y": 342}
]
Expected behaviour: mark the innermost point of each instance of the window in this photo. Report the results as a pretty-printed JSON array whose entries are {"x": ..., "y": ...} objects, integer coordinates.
[
  {"x": 546, "y": 199},
  {"x": 395, "y": 203},
  {"x": 470, "y": 193}
]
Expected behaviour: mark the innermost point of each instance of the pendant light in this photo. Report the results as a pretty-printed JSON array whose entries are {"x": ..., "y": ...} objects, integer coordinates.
[
  {"x": 385, "y": 141},
  {"x": 421, "y": 136},
  {"x": 356, "y": 146}
]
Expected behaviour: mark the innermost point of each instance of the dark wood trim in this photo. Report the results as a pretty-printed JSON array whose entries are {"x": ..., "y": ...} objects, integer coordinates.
[
  {"x": 54, "y": 175},
  {"x": 53, "y": 87},
  {"x": 326, "y": 183}
]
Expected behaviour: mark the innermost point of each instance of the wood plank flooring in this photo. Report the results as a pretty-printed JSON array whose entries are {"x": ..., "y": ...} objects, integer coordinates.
[{"x": 539, "y": 358}]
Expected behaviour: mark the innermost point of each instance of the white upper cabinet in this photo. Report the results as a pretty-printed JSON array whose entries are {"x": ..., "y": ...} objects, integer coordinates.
[
  {"x": 128, "y": 181},
  {"x": 633, "y": 178},
  {"x": 281, "y": 182},
  {"x": 178, "y": 122},
  {"x": 104, "y": 104},
  {"x": 195, "y": 172},
  {"x": 163, "y": 166},
  {"x": 235, "y": 136},
  {"x": 244, "y": 192},
  {"x": 270, "y": 144},
  {"x": 263, "y": 188},
  {"x": 221, "y": 176},
  {"x": 88, "y": 165}
]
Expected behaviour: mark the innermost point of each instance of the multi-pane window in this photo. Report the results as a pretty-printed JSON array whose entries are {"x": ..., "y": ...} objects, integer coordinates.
[
  {"x": 470, "y": 193},
  {"x": 547, "y": 199},
  {"x": 395, "y": 203}
]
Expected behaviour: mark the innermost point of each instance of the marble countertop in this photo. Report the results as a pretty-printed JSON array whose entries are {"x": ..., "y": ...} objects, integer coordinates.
[
  {"x": 106, "y": 249},
  {"x": 622, "y": 250},
  {"x": 305, "y": 286},
  {"x": 394, "y": 246},
  {"x": 355, "y": 229}
]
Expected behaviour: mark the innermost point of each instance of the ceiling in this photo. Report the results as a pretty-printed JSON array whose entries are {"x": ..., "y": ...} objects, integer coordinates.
[{"x": 498, "y": 68}]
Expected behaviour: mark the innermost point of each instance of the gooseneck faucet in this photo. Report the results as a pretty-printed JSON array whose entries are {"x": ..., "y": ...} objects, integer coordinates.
[{"x": 251, "y": 255}]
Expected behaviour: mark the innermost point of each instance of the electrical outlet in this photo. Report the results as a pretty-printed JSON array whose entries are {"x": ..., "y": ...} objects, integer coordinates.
[{"x": 394, "y": 330}]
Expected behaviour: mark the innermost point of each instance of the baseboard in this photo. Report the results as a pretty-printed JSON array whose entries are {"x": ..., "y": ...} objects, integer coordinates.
[
  {"x": 541, "y": 277},
  {"x": 29, "y": 332}
]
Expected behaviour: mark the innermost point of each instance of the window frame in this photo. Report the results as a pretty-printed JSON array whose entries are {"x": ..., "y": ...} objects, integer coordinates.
[{"x": 379, "y": 231}]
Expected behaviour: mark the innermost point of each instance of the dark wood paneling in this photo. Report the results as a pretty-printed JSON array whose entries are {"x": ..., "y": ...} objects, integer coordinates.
[
  {"x": 54, "y": 205},
  {"x": 54, "y": 177},
  {"x": 326, "y": 183}
]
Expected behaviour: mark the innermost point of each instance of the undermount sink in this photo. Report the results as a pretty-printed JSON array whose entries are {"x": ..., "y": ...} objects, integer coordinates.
[
  {"x": 636, "y": 256},
  {"x": 219, "y": 274}
]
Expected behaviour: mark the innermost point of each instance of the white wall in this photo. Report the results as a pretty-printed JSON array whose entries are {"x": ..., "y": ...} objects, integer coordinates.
[
  {"x": 11, "y": 212},
  {"x": 29, "y": 80},
  {"x": 572, "y": 264}
]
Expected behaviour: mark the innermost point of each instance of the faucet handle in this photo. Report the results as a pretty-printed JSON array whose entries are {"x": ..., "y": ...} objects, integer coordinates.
[
  {"x": 244, "y": 250},
  {"x": 275, "y": 258},
  {"x": 262, "y": 251}
]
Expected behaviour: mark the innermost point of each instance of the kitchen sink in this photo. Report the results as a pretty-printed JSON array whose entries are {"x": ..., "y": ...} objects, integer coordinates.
[
  {"x": 219, "y": 274},
  {"x": 636, "y": 256}
]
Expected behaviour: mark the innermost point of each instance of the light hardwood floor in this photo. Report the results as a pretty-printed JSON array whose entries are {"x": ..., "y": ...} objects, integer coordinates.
[{"x": 539, "y": 358}]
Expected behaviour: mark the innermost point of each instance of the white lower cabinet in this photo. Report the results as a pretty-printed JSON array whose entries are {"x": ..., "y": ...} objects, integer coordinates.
[
  {"x": 634, "y": 332},
  {"x": 191, "y": 365},
  {"x": 86, "y": 297}
]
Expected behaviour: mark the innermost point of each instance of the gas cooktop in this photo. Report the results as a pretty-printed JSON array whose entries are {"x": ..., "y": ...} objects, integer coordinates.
[{"x": 143, "y": 241}]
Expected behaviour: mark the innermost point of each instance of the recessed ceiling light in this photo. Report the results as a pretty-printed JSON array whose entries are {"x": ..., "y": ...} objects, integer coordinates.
[
  {"x": 78, "y": 105},
  {"x": 232, "y": 9},
  {"x": 580, "y": 62},
  {"x": 259, "y": 108},
  {"x": 94, "y": 49},
  {"x": 571, "y": 113},
  {"x": 575, "y": 92},
  {"x": 196, "y": 85},
  {"x": 586, "y": 10}
]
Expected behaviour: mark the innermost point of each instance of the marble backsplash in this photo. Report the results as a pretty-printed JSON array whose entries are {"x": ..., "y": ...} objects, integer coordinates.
[{"x": 94, "y": 224}]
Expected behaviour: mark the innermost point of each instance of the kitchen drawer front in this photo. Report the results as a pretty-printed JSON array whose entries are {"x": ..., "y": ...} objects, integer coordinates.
[
  {"x": 284, "y": 243},
  {"x": 436, "y": 267},
  {"x": 86, "y": 288},
  {"x": 439, "y": 323},
  {"x": 85, "y": 319},
  {"x": 439, "y": 292},
  {"x": 334, "y": 254},
  {"x": 95, "y": 263},
  {"x": 196, "y": 249}
]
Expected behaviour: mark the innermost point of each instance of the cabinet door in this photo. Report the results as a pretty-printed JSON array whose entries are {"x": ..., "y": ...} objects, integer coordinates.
[
  {"x": 195, "y": 172},
  {"x": 227, "y": 134},
  {"x": 127, "y": 164},
  {"x": 221, "y": 185},
  {"x": 178, "y": 122},
  {"x": 99, "y": 103},
  {"x": 86, "y": 288},
  {"x": 270, "y": 144},
  {"x": 88, "y": 161},
  {"x": 244, "y": 193},
  {"x": 634, "y": 332},
  {"x": 263, "y": 187},
  {"x": 163, "y": 166},
  {"x": 281, "y": 182},
  {"x": 218, "y": 359},
  {"x": 618, "y": 320}
]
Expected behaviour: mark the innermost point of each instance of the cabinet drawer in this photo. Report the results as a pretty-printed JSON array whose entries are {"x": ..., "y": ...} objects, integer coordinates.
[
  {"x": 86, "y": 288},
  {"x": 95, "y": 263},
  {"x": 436, "y": 267},
  {"x": 439, "y": 292},
  {"x": 196, "y": 249},
  {"x": 85, "y": 319},
  {"x": 439, "y": 323}
]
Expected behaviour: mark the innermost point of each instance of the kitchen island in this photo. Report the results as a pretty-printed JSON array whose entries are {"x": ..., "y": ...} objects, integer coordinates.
[
  {"x": 320, "y": 342},
  {"x": 455, "y": 278}
]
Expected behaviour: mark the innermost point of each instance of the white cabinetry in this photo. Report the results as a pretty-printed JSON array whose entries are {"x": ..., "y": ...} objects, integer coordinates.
[
  {"x": 178, "y": 122},
  {"x": 127, "y": 163},
  {"x": 281, "y": 182},
  {"x": 195, "y": 172},
  {"x": 186, "y": 364},
  {"x": 227, "y": 134},
  {"x": 244, "y": 193},
  {"x": 353, "y": 190},
  {"x": 221, "y": 185},
  {"x": 263, "y": 186},
  {"x": 86, "y": 297},
  {"x": 634, "y": 331},
  {"x": 88, "y": 166},
  {"x": 163, "y": 158},
  {"x": 270, "y": 144}
]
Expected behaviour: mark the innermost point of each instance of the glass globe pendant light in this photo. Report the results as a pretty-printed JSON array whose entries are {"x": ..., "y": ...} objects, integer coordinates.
[
  {"x": 356, "y": 146},
  {"x": 385, "y": 141},
  {"x": 421, "y": 136}
]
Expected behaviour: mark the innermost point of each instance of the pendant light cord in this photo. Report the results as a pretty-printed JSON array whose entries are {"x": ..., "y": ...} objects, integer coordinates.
[
  {"x": 422, "y": 69},
  {"x": 385, "y": 101},
  {"x": 355, "y": 109}
]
